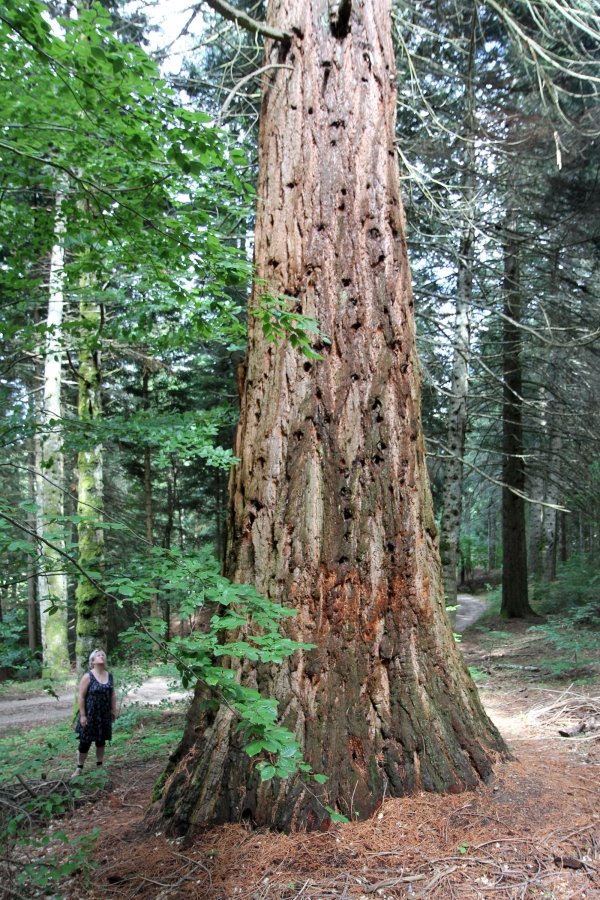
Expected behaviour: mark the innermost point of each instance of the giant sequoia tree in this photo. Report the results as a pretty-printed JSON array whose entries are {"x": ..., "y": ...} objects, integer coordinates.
[{"x": 330, "y": 505}]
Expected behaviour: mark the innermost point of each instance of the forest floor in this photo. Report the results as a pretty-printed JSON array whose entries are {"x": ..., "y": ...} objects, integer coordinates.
[{"x": 534, "y": 832}]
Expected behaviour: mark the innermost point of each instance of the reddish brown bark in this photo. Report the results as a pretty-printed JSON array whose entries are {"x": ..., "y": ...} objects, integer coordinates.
[{"x": 330, "y": 505}]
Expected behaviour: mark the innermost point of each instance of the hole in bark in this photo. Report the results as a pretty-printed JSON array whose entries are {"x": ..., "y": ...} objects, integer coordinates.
[
  {"x": 307, "y": 367},
  {"x": 326, "y": 77},
  {"x": 352, "y": 301},
  {"x": 348, "y": 514},
  {"x": 381, "y": 446},
  {"x": 342, "y": 560},
  {"x": 291, "y": 184},
  {"x": 340, "y": 20},
  {"x": 346, "y": 281},
  {"x": 319, "y": 393},
  {"x": 274, "y": 263},
  {"x": 374, "y": 233},
  {"x": 379, "y": 419},
  {"x": 368, "y": 185},
  {"x": 293, "y": 107},
  {"x": 344, "y": 191},
  {"x": 247, "y": 817},
  {"x": 377, "y": 459},
  {"x": 380, "y": 259},
  {"x": 386, "y": 310},
  {"x": 342, "y": 463},
  {"x": 298, "y": 435},
  {"x": 390, "y": 546},
  {"x": 261, "y": 461},
  {"x": 342, "y": 205},
  {"x": 355, "y": 377},
  {"x": 333, "y": 143},
  {"x": 356, "y": 326},
  {"x": 376, "y": 404},
  {"x": 310, "y": 110},
  {"x": 321, "y": 226}
]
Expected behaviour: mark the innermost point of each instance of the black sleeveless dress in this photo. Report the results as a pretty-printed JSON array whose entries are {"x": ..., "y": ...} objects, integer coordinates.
[{"x": 98, "y": 709}]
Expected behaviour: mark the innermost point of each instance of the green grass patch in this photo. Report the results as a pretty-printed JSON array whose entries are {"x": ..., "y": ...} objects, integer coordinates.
[
  {"x": 49, "y": 751},
  {"x": 478, "y": 674}
]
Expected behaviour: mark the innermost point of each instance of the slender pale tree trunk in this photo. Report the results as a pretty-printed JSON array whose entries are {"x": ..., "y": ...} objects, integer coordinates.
[
  {"x": 564, "y": 546},
  {"x": 536, "y": 523},
  {"x": 491, "y": 535},
  {"x": 53, "y": 595},
  {"x": 91, "y": 604},
  {"x": 155, "y": 610},
  {"x": 31, "y": 574},
  {"x": 554, "y": 463},
  {"x": 457, "y": 407},
  {"x": 515, "y": 600},
  {"x": 331, "y": 511}
]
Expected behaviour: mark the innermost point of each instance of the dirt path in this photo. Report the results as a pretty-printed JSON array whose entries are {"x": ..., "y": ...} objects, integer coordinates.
[
  {"x": 470, "y": 608},
  {"x": 42, "y": 709}
]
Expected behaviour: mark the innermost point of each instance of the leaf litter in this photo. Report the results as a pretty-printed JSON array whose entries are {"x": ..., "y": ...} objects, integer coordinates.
[{"x": 533, "y": 832}]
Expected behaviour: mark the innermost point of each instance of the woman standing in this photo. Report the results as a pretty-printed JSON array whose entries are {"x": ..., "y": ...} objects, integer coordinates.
[{"x": 97, "y": 710}]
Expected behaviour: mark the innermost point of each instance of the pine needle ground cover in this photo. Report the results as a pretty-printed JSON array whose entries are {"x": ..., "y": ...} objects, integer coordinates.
[{"x": 532, "y": 833}]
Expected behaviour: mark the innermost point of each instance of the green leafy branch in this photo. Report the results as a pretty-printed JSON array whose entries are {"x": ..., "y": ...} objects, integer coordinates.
[{"x": 280, "y": 320}]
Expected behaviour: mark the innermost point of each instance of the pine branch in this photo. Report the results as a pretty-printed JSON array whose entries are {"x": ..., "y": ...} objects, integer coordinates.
[{"x": 245, "y": 21}]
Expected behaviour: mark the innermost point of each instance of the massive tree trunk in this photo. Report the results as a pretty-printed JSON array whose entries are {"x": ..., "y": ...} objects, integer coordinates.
[
  {"x": 515, "y": 600},
  {"x": 330, "y": 505},
  {"x": 53, "y": 581},
  {"x": 91, "y": 606}
]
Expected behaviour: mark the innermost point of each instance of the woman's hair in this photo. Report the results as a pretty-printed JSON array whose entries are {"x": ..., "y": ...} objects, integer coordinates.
[{"x": 93, "y": 655}]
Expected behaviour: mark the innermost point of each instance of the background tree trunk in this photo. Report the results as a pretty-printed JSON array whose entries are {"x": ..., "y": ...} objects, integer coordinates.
[
  {"x": 330, "y": 505},
  {"x": 564, "y": 546},
  {"x": 536, "y": 523},
  {"x": 515, "y": 600},
  {"x": 457, "y": 408},
  {"x": 92, "y": 613},
  {"x": 53, "y": 627},
  {"x": 155, "y": 610},
  {"x": 555, "y": 448},
  {"x": 457, "y": 417},
  {"x": 32, "y": 629},
  {"x": 491, "y": 534}
]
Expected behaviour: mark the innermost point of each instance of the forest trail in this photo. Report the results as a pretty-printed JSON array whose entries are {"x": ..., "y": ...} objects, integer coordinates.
[
  {"x": 42, "y": 709},
  {"x": 470, "y": 608}
]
